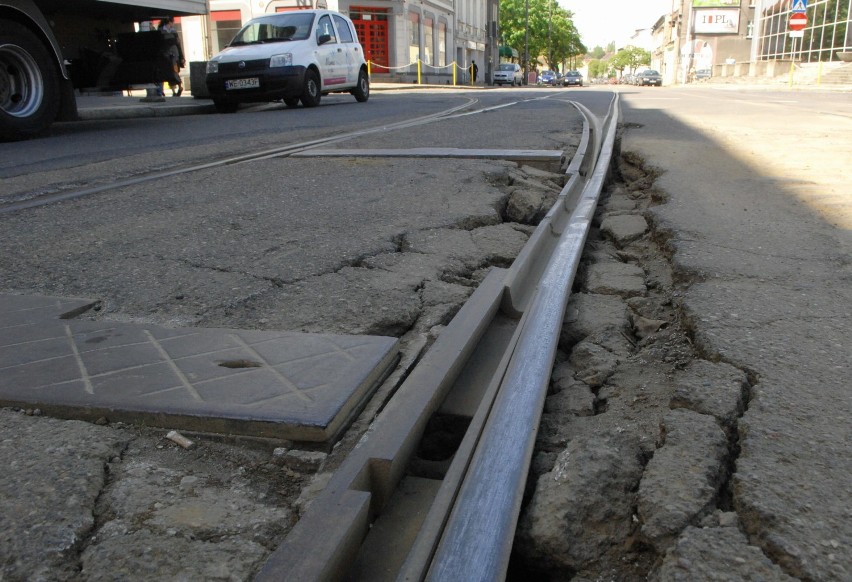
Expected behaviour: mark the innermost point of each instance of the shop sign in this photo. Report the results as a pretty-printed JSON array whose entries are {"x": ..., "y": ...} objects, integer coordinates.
[
  {"x": 715, "y": 3},
  {"x": 717, "y": 21}
]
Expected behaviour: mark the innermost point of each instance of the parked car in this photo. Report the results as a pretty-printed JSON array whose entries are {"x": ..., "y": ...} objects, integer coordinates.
[
  {"x": 508, "y": 74},
  {"x": 572, "y": 78},
  {"x": 547, "y": 78},
  {"x": 701, "y": 74},
  {"x": 294, "y": 56},
  {"x": 649, "y": 77}
]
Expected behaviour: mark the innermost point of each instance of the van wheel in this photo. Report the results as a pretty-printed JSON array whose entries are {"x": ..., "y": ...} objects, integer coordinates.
[
  {"x": 29, "y": 83},
  {"x": 362, "y": 89},
  {"x": 291, "y": 101},
  {"x": 311, "y": 94}
]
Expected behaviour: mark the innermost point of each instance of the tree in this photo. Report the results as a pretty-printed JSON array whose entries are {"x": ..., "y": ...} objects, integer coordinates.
[
  {"x": 597, "y": 68},
  {"x": 564, "y": 43},
  {"x": 598, "y": 52},
  {"x": 552, "y": 33},
  {"x": 630, "y": 57}
]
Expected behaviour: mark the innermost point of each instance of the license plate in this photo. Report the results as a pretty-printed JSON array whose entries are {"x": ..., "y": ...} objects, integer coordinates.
[{"x": 250, "y": 83}]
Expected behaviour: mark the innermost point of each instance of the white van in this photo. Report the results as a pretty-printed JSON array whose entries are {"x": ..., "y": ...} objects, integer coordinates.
[{"x": 295, "y": 56}]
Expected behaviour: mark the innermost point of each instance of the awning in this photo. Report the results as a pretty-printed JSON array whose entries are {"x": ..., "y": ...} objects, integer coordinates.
[{"x": 508, "y": 52}]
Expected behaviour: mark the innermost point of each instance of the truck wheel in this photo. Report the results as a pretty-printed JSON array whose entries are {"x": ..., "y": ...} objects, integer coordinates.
[{"x": 29, "y": 83}]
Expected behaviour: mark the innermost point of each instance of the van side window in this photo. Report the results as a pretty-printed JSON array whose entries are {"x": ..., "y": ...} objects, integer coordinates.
[
  {"x": 324, "y": 27},
  {"x": 343, "y": 29}
]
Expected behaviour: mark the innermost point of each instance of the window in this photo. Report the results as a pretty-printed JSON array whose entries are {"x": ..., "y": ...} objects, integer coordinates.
[
  {"x": 428, "y": 41},
  {"x": 283, "y": 26},
  {"x": 442, "y": 44},
  {"x": 413, "y": 37},
  {"x": 224, "y": 24},
  {"x": 324, "y": 27},
  {"x": 343, "y": 29}
]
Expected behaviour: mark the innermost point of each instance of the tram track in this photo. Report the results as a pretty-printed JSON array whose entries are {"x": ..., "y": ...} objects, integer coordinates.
[
  {"x": 465, "y": 376},
  {"x": 41, "y": 197},
  {"x": 388, "y": 512},
  {"x": 36, "y": 199}
]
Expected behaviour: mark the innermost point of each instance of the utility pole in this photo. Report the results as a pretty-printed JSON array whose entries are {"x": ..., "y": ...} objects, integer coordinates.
[
  {"x": 549, "y": 36},
  {"x": 526, "y": 40}
]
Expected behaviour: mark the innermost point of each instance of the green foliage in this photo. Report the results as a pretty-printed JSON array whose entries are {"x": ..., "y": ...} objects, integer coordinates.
[
  {"x": 597, "y": 53},
  {"x": 630, "y": 57},
  {"x": 552, "y": 34},
  {"x": 597, "y": 68}
]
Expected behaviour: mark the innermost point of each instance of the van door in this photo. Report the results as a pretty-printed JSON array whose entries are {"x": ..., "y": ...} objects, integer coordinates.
[
  {"x": 351, "y": 49},
  {"x": 330, "y": 55}
]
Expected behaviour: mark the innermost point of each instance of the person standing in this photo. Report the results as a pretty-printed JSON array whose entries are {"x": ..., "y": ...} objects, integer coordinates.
[
  {"x": 174, "y": 55},
  {"x": 474, "y": 71}
]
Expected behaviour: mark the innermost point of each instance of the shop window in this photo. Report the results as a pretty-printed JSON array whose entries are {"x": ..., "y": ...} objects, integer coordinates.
[
  {"x": 224, "y": 25},
  {"x": 428, "y": 40},
  {"x": 442, "y": 44},
  {"x": 413, "y": 37}
]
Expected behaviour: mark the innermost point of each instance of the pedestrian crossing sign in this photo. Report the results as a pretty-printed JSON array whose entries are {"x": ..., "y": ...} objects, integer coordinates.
[{"x": 800, "y": 6}]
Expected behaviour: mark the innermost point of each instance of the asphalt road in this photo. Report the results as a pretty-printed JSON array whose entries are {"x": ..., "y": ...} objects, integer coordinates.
[
  {"x": 756, "y": 218},
  {"x": 264, "y": 244}
]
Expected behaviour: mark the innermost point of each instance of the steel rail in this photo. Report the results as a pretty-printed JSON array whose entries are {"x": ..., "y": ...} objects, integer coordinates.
[
  {"x": 491, "y": 363},
  {"x": 477, "y": 540}
]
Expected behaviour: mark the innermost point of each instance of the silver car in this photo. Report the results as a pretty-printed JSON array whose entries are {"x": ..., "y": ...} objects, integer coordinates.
[{"x": 508, "y": 74}]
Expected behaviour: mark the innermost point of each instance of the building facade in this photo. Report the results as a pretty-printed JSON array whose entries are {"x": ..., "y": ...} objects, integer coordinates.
[
  {"x": 401, "y": 38},
  {"x": 747, "y": 37}
]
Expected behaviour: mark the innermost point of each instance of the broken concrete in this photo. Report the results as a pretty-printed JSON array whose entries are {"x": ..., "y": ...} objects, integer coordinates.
[
  {"x": 624, "y": 229},
  {"x": 583, "y": 506},
  {"x": 682, "y": 480},
  {"x": 614, "y": 278},
  {"x": 717, "y": 553}
]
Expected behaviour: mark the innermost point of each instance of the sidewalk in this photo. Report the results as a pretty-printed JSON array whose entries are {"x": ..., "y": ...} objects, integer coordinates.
[{"x": 123, "y": 106}]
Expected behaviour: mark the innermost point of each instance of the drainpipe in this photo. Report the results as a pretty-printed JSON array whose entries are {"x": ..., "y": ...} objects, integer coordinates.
[{"x": 755, "y": 39}]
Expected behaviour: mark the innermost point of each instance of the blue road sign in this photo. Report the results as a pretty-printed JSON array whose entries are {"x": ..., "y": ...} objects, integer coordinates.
[{"x": 800, "y": 6}]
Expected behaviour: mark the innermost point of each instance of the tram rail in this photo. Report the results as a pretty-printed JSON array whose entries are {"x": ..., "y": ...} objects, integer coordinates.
[
  {"x": 36, "y": 199},
  {"x": 390, "y": 513}
]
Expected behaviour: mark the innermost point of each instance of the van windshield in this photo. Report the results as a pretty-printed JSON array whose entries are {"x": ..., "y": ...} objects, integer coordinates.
[
  {"x": 506, "y": 67},
  {"x": 275, "y": 28}
]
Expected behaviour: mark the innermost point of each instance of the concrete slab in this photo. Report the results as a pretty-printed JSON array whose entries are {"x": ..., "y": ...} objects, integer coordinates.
[
  {"x": 524, "y": 155},
  {"x": 282, "y": 385}
]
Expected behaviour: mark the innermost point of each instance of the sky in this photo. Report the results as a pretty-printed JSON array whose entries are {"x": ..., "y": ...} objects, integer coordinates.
[{"x": 603, "y": 21}]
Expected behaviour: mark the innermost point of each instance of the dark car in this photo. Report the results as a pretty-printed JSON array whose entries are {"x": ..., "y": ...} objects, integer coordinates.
[
  {"x": 703, "y": 74},
  {"x": 649, "y": 77},
  {"x": 572, "y": 78}
]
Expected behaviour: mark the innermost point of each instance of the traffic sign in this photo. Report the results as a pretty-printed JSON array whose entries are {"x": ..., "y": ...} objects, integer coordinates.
[
  {"x": 800, "y": 6},
  {"x": 798, "y": 21}
]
